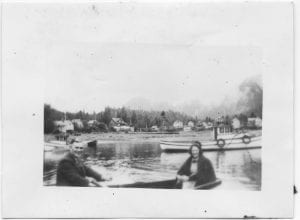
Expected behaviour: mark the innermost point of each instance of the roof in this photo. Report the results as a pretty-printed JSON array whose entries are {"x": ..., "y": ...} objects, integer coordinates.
[
  {"x": 117, "y": 120},
  {"x": 177, "y": 121},
  {"x": 253, "y": 119},
  {"x": 92, "y": 121},
  {"x": 62, "y": 123},
  {"x": 75, "y": 120}
]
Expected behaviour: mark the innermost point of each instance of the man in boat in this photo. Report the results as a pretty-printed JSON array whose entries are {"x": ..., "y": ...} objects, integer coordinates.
[
  {"x": 72, "y": 172},
  {"x": 196, "y": 170}
]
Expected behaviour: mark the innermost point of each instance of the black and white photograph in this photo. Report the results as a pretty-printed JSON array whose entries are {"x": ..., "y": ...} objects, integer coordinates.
[
  {"x": 182, "y": 109},
  {"x": 153, "y": 116}
]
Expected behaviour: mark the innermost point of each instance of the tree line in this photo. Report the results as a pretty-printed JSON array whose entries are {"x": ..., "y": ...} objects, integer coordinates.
[
  {"x": 136, "y": 118},
  {"x": 139, "y": 119}
]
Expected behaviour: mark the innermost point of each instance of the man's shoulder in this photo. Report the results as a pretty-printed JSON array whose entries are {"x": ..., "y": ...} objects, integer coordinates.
[{"x": 67, "y": 158}]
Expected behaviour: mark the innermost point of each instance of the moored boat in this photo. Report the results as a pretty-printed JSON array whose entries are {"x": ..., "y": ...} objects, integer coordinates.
[
  {"x": 223, "y": 137},
  {"x": 216, "y": 145}
]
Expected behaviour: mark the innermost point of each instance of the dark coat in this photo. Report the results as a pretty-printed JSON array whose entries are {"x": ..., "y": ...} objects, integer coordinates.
[
  {"x": 205, "y": 171},
  {"x": 72, "y": 173}
]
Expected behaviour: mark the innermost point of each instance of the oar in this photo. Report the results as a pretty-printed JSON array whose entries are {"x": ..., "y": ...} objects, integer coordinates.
[
  {"x": 96, "y": 183},
  {"x": 208, "y": 185}
]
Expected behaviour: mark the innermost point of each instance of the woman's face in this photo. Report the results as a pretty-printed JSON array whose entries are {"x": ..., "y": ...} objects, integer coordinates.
[{"x": 195, "y": 152}]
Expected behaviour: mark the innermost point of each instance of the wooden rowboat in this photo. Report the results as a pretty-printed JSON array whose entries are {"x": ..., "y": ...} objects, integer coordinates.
[
  {"x": 166, "y": 184},
  {"x": 219, "y": 145}
]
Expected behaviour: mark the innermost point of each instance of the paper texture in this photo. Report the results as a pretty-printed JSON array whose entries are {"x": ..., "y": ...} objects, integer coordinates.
[{"x": 87, "y": 56}]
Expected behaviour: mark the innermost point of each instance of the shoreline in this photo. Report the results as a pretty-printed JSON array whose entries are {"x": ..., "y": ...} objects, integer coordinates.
[{"x": 111, "y": 137}]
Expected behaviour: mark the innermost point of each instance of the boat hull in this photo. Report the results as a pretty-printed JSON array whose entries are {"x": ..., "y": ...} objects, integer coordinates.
[
  {"x": 231, "y": 144},
  {"x": 166, "y": 184}
]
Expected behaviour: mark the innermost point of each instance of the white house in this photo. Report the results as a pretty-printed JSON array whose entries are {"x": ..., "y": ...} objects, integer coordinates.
[
  {"x": 191, "y": 124},
  {"x": 254, "y": 122},
  {"x": 64, "y": 126},
  {"x": 187, "y": 128},
  {"x": 236, "y": 123},
  {"x": 154, "y": 128},
  {"x": 178, "y": 124},
  {"x": 207, "y": 125},
  {"x": 258, "y": 122},
  {"x": 92, "y": 123},
  {"x": 77, "y": 123},
  {"x": 117, "y": 122},
  {"x": 120, "y": 125}
]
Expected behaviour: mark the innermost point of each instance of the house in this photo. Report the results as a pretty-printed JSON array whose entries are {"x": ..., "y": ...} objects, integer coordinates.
[
  {"x": 258, "y": 122},
  {"x": 236, "y": 123},
  {"x": 254, "y": 122},
  {"x": 77, "y": 123},
  {"x": 123, "y": 128},
  {"x": 126, "y": 128},
  {"x": 64, "y": 126},
  {"x": 154, "y": 128},
  {"x": 187, "y": 128},
  {"x": 203, "y": 124},
  {"x": 92, "y": 123},
  {"x": 207, "y": 125},
  {"x": 191, "y": 124},
  {"x": 178, "y": 124},
  {"x": 118, "y": 124}
]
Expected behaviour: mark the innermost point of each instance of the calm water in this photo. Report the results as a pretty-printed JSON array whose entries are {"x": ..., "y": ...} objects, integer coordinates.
[{"x": 129, "y": 162}]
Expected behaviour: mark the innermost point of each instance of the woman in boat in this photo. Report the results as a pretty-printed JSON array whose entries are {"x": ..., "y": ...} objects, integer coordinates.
[{"x": 196, "y": 170}]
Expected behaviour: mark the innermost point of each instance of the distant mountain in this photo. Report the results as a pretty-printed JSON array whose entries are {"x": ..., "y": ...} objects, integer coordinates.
[
  {"x": 192, "y": 108},
  {"x": 140, "y": 103}
]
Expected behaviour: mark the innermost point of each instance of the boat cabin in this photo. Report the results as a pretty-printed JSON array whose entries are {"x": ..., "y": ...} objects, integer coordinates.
[{"x": 221, "y": 131}]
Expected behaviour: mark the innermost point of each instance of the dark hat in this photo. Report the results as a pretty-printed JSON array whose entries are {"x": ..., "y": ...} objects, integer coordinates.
[{"x": 196, "y": 144}]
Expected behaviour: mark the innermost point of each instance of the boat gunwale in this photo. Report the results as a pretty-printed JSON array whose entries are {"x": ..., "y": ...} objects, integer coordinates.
[
  {"x": 205, "y": 143},
  {"x": 208, "y": 185},
  {"x": 212, "y": 149}
]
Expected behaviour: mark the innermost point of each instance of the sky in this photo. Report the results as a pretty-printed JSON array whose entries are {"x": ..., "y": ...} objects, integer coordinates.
[
  {"x": 95, "y": 76},
  {"x": 98, "y": 55}
]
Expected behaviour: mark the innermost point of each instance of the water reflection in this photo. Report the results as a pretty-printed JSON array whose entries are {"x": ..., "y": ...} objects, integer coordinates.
[{"x": 128, "y": 162}]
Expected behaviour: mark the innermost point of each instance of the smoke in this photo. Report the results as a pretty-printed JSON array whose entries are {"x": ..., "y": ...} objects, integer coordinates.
[
  {"x": 249, "y": 101},
  {"x": 251, "y": 97}
]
